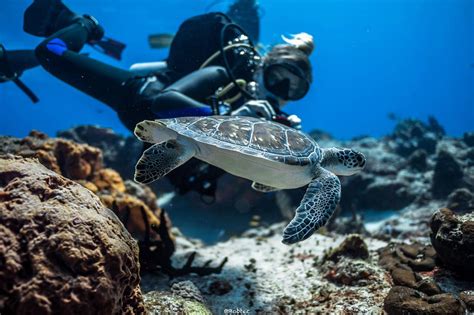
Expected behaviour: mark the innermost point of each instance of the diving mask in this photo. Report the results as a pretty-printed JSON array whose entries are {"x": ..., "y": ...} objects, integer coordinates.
[{"x": 286, "y": 81}]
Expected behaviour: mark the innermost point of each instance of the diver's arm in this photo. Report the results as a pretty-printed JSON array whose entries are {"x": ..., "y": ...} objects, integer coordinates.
[
  {"x": 201, "y": 83},
  {"x": 171, "y": 104},
  {"x": 186, "y": 96}
]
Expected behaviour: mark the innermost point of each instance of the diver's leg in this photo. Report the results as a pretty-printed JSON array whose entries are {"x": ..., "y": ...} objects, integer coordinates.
[
  {"x": 58, "y": 54},
  {"x": 21, "y": 60}
]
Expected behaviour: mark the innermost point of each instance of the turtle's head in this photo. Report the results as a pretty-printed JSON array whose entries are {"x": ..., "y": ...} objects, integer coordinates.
[{"x": 342, "y": 161}]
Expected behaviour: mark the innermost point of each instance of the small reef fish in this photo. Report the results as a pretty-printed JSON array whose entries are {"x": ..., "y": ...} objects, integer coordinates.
[{"x": 393, "y": 117}]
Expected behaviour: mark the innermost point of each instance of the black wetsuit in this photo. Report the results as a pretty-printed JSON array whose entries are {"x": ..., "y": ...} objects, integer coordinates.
[{"x": 173, "y": 93}]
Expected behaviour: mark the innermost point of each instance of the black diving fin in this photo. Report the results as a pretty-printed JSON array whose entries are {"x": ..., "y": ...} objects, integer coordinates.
[
  {"x": 44, "y": 17},
  {"x": 110, "y": 47}
]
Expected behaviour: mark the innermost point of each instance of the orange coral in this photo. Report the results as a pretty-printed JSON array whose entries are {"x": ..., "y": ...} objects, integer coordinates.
[
  {"x": 108, "y": 179},
  {"x": 131, "y": 212}
]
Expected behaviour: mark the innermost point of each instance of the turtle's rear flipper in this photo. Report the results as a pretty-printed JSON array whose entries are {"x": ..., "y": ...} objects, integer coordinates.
[
  {"x": 317, "y": 206},
  {"x": 263, "y": 188},
  {"x": 160, "y": 159}
]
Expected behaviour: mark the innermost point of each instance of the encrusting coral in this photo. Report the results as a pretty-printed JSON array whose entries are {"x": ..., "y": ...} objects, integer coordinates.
[{"x": 61, "y": 250}]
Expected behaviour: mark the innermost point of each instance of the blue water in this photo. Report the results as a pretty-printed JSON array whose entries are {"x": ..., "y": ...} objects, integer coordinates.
[{"x": 411, "y": 57}]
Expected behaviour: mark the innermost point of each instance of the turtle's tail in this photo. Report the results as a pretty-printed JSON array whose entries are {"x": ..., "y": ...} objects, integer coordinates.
[{"x": 154, "y": 131}]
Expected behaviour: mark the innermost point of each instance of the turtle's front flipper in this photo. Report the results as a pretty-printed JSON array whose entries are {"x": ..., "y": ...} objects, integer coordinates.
[
  {"x": 263, "y": 188},
  {"x": 161, "y": 158},
  {"x": 317, "y": 206},
  {"x": 153, "y": 131}
]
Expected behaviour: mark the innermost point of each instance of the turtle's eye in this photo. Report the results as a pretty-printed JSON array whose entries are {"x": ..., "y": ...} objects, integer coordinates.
[{"x": 360, "y": 159}]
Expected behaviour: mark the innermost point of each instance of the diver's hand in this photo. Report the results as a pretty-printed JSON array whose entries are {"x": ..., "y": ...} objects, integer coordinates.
[
  {"x": 256, "y": 108},
  {"x": 295, "y": 121}
]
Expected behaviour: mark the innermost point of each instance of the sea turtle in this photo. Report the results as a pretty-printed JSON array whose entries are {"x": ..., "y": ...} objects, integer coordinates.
[{"x": 270, "y": 154}]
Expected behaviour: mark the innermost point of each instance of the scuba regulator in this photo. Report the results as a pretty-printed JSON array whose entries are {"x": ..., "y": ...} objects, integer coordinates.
[{"x": 243, "y": 45}]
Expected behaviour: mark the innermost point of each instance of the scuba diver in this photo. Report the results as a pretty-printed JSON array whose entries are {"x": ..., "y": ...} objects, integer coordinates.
[
  {"x": 212, "y": 68},
  {"x": 12, "y": 65}
]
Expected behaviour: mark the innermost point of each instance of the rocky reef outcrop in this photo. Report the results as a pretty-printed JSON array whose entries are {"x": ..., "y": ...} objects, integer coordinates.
[
  {"x": 403, "y": 300},
  {"x": 453, "y": 238},
  {"x": 416, "y": 163},
  {"x": 406, "y": 264},
  {"x": 61, "y": 250},
  {"x": 411, "y": 135},
  {"x": 448, "y": 174},
  {"x": 406, "y": 170},
  {"x": 432, "y": 279}
]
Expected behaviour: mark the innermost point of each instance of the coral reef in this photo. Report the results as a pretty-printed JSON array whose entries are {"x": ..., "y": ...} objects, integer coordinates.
[
  {"x": 76, "y": 162},
  {"x": 468, "y": 138},
  {"x": 134, "y": 204},
  {"x": 120, "y": 153},
  {"x": 388, "y": 266},
  {"x": 412, "y": 166},
  {"x": 61, "y": 250}
]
